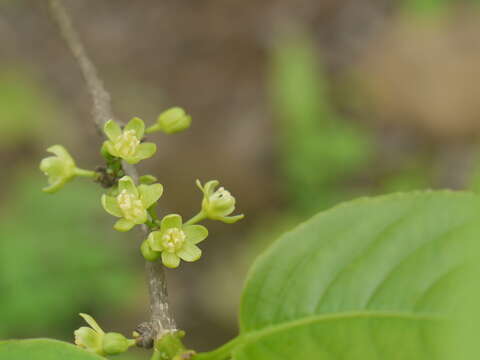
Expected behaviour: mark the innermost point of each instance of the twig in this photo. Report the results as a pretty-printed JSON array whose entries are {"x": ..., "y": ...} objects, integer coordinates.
[{"x": 161, "y": 317}]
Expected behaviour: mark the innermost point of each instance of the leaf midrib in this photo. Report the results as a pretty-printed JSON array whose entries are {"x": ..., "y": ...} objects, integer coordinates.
[
  {"x": 251, "y": 336},
  {"x": 255, "y": 334}
]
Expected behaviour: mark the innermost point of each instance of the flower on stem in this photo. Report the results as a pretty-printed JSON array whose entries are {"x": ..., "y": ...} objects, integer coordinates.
[
  {"x": 218, "y": 204},
  {"x": 60, "y": 168},
  {"x": 175, "y": 241},
  {"x": 171, "y": 121},
  {"x": 126, "y": 144},
  {"x": 95, "y": 340},
  {"x": 131, "y": 203}
]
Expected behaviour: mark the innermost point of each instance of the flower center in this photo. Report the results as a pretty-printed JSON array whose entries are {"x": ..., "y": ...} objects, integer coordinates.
[
  {"x": 173, "y": 239},
  {"x": 127, "y": 143},
  {"x": 221, "y": 193},
  {"x": 222, "y": 200},
  {"x": 129, "y": 204}
]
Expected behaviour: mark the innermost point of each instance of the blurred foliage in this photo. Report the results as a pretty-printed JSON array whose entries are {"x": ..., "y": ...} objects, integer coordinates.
[
  {"x": 317, "y": 146},
  {"x": 26, "y": 110},
  {"x": 55, "y": 260},
  {"x": 410, "y": 178},
  {"x": 427, "y": 7},
  {"x": 434, "y": 7}
]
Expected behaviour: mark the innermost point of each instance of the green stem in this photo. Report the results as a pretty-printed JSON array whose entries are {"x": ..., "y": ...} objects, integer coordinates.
[
  {"x": 153, "y": 128},
  {"x": 85, "y": 173},
  {"x": 197, "y": 218},
  {"x": 222, "y": 353}
]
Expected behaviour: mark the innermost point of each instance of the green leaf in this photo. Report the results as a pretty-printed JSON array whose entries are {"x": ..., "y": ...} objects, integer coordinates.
[
  {"x": 43, "y": 349},
  {"x": 371, "y": 279}
]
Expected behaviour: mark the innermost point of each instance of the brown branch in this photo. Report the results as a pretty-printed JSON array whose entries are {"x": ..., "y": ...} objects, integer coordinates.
[{"x": 161, "y": 317}]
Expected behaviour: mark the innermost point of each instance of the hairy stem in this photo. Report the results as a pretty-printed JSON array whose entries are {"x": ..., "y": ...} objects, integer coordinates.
[
  {"x": 102, "y": 110},
  {"x": 161, "y": 317}
]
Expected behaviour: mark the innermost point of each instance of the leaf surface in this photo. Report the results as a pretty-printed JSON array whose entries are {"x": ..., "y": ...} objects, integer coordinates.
[
  {"x": 371, "y": 279},
  {"x": 43, "y": 349}
]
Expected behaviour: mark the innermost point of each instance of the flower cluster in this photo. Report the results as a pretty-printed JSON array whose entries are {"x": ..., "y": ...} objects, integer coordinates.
[{"x": 169, "y": 239}]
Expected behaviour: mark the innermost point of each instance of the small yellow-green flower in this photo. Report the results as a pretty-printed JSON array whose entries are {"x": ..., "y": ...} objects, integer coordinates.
[
  {"x": 218, "y": 204},
  {"x": 60, "y": 168},
  {"x": 176, "y": 241},
  {"x": 126, "y": 143},
  {"x": 131, "y": 203},
  {"x": 171, "y": 121},
  {"x": 95, "y": 340}
]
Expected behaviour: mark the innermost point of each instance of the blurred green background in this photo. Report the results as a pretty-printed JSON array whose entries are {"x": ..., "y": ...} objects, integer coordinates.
[{"x": 296, "y": 105}]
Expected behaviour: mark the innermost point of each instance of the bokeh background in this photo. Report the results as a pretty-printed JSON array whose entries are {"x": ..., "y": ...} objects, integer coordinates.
[{"x": 296, "y": 105}]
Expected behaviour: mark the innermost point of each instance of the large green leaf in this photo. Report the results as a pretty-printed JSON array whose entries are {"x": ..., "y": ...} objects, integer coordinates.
[
  {"x": 43, "y": 349},
  {"x": 372, "y": 279}
]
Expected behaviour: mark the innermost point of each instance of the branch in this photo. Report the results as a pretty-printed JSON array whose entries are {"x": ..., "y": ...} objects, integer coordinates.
[{"x": 162, "y": 320}]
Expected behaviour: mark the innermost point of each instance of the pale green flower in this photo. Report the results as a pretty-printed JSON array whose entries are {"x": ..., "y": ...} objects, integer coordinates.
[
  {"x": 171, "y": 121},
  {"x": 176, "y": 241},
  {"x": 95, "y": 340},
  {"x": 131, "y": 203},
  {"x": 90, "y": 338},
  {"x": 218, "y": 204},
  {"x": 126, "y": 143},
  {"x": 60, "y": 168}
]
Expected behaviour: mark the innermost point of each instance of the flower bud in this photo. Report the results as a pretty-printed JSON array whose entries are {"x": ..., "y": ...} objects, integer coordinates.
[
  {"x": 148, "y": 253},
  {"x": 172, "y": 121},
  {"x": 115, "y": 343}
]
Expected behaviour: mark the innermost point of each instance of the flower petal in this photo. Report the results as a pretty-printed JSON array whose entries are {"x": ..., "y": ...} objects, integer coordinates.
[
  {"x": 61, "y": 152},
  {"x": 189, "y": 252},
  {"x": 123, "y": 225},
  {"x": 149, "y": 194},
  {"x": 110, "y": 205},
  {"x": 52, "y": 166},
  {"x": 209, "y": 187},
  {"x": 54, "y": 186},
  {"x": 231, "y": 219},
  {"x": 91, "y": 321},
  {"x": 132, "y": 160},
  {"x": 110, "y": 148},
  {"x": 154, "y": 240},
  {"x": 126, "y": 183},
  {"x": 148, "y": 253},
  {"x": 137, "y": 125},
  {"x": 147, "y": 179},
  {"x": 195, "y": 233},
  {"x": 171, "y": 221},
  {"x": 199, "y": 185},
  {"x": 170, "y": 260},
  {"x": 140, "y": 218},
  {"x": 145, "y": 151},
  {"x": 112, "y": 130},
  {"x": 87, "y": 338}
]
